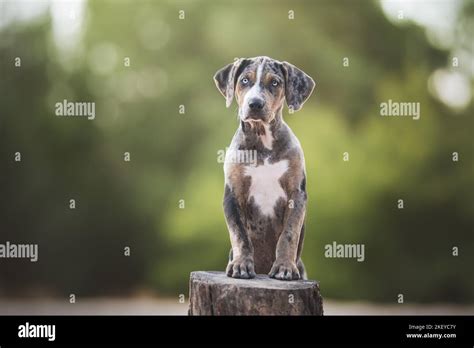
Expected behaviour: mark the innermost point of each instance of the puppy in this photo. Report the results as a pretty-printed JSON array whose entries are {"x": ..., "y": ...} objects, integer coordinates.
[{"x": 265, "y": 199}]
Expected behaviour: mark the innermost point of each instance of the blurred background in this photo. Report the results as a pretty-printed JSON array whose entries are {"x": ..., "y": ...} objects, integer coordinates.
[{"x": 148, "y": 67}]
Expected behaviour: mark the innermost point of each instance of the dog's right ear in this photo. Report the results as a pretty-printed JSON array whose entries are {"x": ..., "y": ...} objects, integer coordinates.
[{"x": 226, "y": 78}]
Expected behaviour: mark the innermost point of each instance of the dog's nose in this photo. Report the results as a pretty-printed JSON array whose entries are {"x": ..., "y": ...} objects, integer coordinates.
[{"x": 256, "y": 104}]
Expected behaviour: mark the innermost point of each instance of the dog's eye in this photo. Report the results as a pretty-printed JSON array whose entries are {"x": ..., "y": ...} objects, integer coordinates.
[
  {"x": 245, "y": 81},
  {"x": 275, "y": 83}
]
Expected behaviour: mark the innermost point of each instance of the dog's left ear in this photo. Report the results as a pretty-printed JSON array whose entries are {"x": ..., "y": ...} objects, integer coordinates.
[
  {"x": 225, "y": 79},
  {"x": 298, "y": 86}
]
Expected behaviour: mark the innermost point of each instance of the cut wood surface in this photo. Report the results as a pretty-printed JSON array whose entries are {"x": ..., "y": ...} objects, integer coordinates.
[{"x": 214, "y": 293}]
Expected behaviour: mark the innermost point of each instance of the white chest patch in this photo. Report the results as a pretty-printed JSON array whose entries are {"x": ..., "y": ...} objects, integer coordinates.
[{"x": 265, "y": 187}]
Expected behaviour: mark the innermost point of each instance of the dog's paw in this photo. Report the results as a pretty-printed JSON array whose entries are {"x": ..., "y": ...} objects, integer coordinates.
[
  {"x": 241, "y": 267},
  {"x": 284, "y": 270}
]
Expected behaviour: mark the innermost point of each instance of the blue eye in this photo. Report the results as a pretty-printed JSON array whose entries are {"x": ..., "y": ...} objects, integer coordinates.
[
  {"x": 275, "y": 83},
  {"x": 245, "y": 81}
]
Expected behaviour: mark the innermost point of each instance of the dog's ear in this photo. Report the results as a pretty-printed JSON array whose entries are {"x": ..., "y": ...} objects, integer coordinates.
[
  {"x": 226, "y": 78},
  {"x": 298, "y": 86}
]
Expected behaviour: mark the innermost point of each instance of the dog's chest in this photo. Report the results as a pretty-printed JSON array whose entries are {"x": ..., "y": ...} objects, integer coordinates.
[{"x": 265, "y": 187}]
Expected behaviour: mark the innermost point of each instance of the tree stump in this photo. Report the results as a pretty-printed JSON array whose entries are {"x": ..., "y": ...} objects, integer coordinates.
[{"x": 213, "y": 293}]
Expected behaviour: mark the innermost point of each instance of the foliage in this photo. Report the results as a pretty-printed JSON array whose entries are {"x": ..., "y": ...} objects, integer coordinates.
[{"x": 174, "y": 156}]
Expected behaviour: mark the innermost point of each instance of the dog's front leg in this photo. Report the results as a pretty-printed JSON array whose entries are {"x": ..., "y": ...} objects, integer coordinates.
[
  {"x": 284, "y": 266},
  {"x": 241, "y": 265}
]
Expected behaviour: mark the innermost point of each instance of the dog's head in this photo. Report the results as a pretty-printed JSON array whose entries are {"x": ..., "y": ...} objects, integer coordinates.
[{"x": 260, "y": 86}]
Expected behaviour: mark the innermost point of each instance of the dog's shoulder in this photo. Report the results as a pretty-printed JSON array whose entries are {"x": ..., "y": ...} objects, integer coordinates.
[{"x": 288, "y": 146}]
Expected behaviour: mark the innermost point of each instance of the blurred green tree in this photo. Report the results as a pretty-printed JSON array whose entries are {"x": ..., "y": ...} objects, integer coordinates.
[{"x": 150, "y": 74}]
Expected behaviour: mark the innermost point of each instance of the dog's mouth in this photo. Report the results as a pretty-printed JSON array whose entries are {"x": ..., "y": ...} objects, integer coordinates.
[
  {"x": 254, "y": 119},
  {"x": 257, "y": 125},
  {"x": 263, "y": 117}
]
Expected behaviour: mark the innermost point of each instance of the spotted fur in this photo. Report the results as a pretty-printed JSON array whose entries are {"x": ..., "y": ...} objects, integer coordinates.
[{"x": 265, "y": 203}]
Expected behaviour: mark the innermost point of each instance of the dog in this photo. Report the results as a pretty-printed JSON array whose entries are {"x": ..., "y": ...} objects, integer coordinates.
[{"x": 265, "y": 202}]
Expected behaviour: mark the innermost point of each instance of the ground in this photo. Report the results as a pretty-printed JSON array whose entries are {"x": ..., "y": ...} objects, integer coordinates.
[{"x": 159, "y": 306}]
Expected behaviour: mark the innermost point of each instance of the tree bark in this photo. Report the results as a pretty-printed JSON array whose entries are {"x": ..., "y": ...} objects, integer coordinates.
[{"x": 213, "y": 293}]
